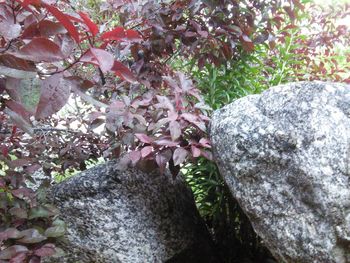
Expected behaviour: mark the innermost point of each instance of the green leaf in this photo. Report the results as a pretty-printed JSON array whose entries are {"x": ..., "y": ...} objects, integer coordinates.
[
  {"x": 58, "y": 222},
  {"x": 55, "y": 231},
  {"x": 41, "y": 211},
  {"x": 18, "y": 212},
  {"x": 31, "y": 236}
]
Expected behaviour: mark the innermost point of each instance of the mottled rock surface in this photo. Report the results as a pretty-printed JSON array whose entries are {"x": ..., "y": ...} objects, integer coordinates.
[
  {"x": 130, "y": 217},
  {"x": 285, "y": 157}
]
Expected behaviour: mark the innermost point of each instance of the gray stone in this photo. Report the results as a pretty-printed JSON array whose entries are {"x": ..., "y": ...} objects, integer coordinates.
[
  {"x": 285, "y": 156},
  {"x": 129, "y": 216}
]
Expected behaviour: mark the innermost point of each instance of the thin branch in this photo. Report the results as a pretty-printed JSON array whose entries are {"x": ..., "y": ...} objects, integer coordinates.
[
  {"x": 50, "y": 129},
  {"x": 8, "y": 46},
  {"x": 41, "y": 129}
]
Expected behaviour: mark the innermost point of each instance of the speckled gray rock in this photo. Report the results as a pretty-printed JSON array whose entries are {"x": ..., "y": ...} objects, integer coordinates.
[
  {"x": 130, "y": 217},
  {"x": 285, "y": 157}
]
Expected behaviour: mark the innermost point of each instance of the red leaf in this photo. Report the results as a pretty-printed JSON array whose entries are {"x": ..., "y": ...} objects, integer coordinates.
[
  {"x": 143, "y": 138},
  {"x": 132, "y": 35},
  {"x": 179, "y": 156},
  {"x": 146, "y": 151},
  {"x": 25, "y": 3},
  {"x": 91, "y": 25},
  {"x": 55, "y": 92},
  {"x": 40, "y": 49},
  {"x": 120, "y": 34},
  {"x": 122, "y": 71},
  {"x": 64, "y": 21},
  {"x": 115, "y": 34}
]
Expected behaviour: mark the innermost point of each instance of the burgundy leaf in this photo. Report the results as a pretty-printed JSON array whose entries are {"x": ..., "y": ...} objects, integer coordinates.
[
  {"x": 31, "y": 236},
  {"x": 35, "y": 259},
  {"x": 44, "y": 28},
  {"x": 19, "y": 258},
  {"x": 104, "y": 58},
  {"x": 146, "y": 151},
  {"x": 247, "y": 43},
  {"x": 46, "y": 250},
  {"x": 143, "y": 138},
  {"x": 23, "y": 193},
  {"x": 2, "y": 85},
  {"x": 18, "y": 212},
  {"x": 166, "y": 142},
  {"x": 179, "y": 156},
  {"x": 25, "y": 92},
  {"x": 66, "y": 44},
  {"x": 162, "y": 159},
  {"x": 207, "y": 154},
  {"x": 122, "y": 71},
  {"x": 173, "y": 115},
  {"x": 290, "y": 12},
  {"x": 40, "y": 49},
  {"x": 20, "y": 121},
  {"x": 135, "y": 156},
  {"x": 196, "y": 152},
  {"x": 205, "y": 143},
  {"x": 189, "y": 117},
  {"x": 175, "y": 130},
  {"x": 12, "y": 66},
  {"x": 165, "y": 103},
  {"x": 19, "y": 109},
  {"x": 12, "y": 251},
  {"x": 55, "y": 92},
  {"x": 10, "y": 233}
]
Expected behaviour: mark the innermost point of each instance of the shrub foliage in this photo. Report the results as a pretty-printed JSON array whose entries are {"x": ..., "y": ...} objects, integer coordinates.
[{"x": 142, "y": 80}]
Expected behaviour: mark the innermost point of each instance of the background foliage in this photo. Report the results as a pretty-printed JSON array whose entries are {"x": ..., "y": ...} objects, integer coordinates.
[{"x": 87, "y": 81}]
